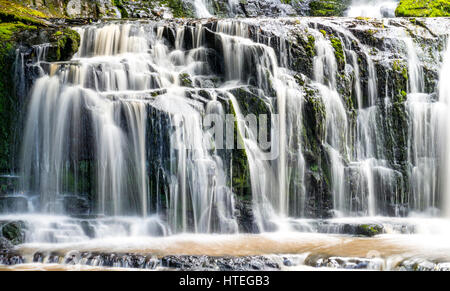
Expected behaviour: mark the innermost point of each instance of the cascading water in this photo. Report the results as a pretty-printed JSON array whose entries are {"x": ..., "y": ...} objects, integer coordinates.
[
  {"x": 444, "y": 97},
  {"x": 112, "y": 80},
  {"x": 372, "y": 8},
  {"x": 125, "y": 73},
  {"x": 115, "y": 78},
  {"x": 201, "y": 8}
]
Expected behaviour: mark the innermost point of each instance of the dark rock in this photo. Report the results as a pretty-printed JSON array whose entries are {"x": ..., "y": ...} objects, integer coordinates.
[
  {"x": 13, "y": 231},
  {"x": 64, "y": 44},
  {"x": 10, "y": 259},
  {"x": 5, "y": 244},
  {"x": 287, "y": 262},
  {"x": 74, "y": 205},
  {"x": 368, "y": 229},
  {"x": 88, "y": 229},
  {"x": 199, "y": 263},
  {"x": 245, "y": 217}
]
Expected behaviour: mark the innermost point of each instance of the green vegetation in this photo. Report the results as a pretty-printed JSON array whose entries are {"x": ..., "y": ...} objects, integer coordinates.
[
  {"x": 328, "y": 7},
  {"x": 185, "y": 80},
  {"x": 178, "y": 9},
  {"x": 308, "y": 44},
  {"x": 399, "y": 67},
  {"x": 423, "y": 8},
  {"x": 369, "y": 230},
  {"x": 119, "y": 5},
  {"x": 11, "y": 11},
  {"x": 338, "y": 50}
]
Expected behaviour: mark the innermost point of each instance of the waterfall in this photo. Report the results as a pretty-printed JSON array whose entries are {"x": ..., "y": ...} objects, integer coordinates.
[
  {"x": 107, "y": 95},
  {"x": 372, "y": 8},
  {"x": 424, "y": 135},
  {"x": 325, "y": 70},
  {"x": 444, "y": 96},
  {"x": 102, "y": 99},
  {"x": 270, "y": 176},
  {"x": 415, "y": 70},
  {"x": 121, "y": 130},
  {"x": 201, "y": 8}
]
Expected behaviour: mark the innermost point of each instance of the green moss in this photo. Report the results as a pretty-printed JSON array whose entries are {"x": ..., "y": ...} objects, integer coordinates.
[
  {"x": 308, "y": 44},
  {"x": 338, "y": 50},
  {"x": 122, "y": 10},
  {"x": 369, "y": 230},
  {"x": 11, "y": 11},
  {"x": 423, "y": 8},
  {"x": 178, "y": 9},
  {"x": 66, "y": 43},
  {"x": 328, "y": 7},
  {"x": 311, "y": 45},
  {"x": 185, "y": 80},
  {"x": 240, "y": 167},
  {"x": 401, "y": 68}
]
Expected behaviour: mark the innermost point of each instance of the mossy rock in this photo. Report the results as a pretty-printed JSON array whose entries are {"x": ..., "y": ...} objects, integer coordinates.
[
  {"x": 185, "y": 80},
  {"x": 369, "y": 229},
  {"x": 65, "y": 44},
  {"x": 328, "y": 7},
  {"x": 13, "y": 231},
  {"x": 12, "y": 11},
  {"x": 338, "y": 51},
  {"x": 423, "y": 8}
]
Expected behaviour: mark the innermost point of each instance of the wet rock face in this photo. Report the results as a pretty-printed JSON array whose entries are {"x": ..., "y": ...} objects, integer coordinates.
[
  {"x": 13, "y": 204},
  {"x": 245, "y": 217},
  {"x": 74, "y": 205}
]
